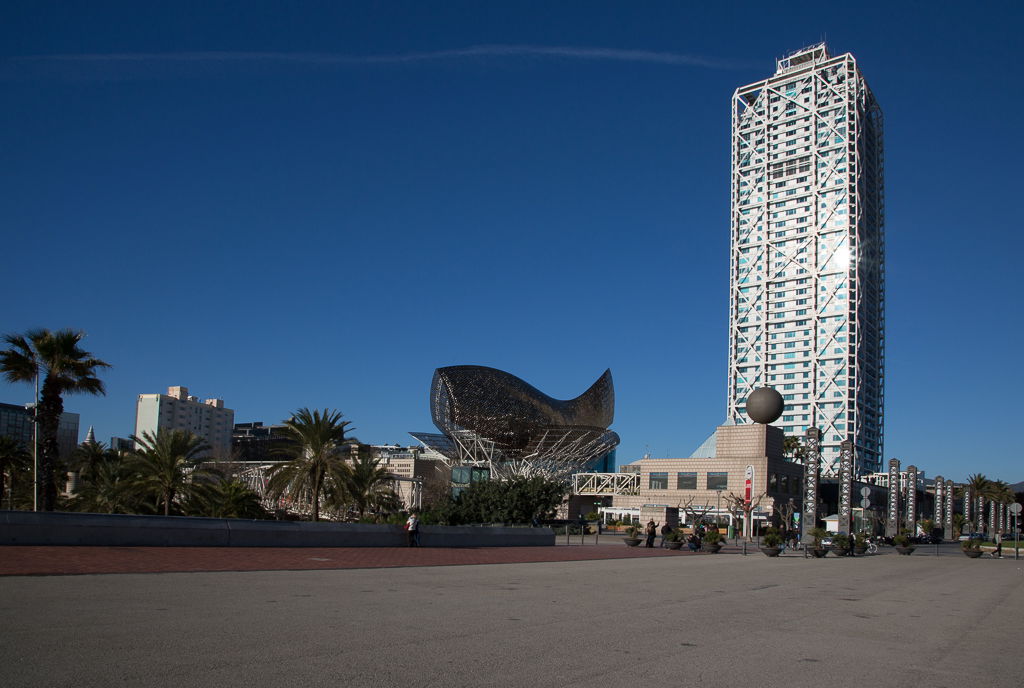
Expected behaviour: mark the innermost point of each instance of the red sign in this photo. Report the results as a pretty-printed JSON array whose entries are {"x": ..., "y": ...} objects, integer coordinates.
[{"x": 748, "y": 484}]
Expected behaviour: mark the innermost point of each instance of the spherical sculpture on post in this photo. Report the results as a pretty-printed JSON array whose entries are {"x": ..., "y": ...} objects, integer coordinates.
[{"x": 764, "y": 405}]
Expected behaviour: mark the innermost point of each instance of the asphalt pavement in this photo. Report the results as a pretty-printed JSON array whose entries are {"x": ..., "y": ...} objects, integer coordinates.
[{"x": 647, "y": 620}]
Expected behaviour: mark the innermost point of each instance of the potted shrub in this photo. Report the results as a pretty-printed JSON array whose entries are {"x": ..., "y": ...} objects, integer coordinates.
[
  {"x": 712, "y": 540},
  {"x": 771, "y": 543},
  {"x": 840, "y": 544},
  {"x": 971, "y": 547},
  {"x": 860, "y": 543},
  {"x": 817, "y": 549},
  {"x": 674, "y": 540},
  {"x": 902, "y": 543},
  {"x": 632, "y": 538}
]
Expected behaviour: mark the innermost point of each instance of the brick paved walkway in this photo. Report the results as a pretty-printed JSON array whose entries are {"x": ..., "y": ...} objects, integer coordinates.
[{"x": 48, "y": 561}]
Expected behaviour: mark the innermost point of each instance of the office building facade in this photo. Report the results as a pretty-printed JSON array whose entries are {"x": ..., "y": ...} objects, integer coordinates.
[
  {"x": 16, "y": 422},
  {"x": 807, "y": 255},
  {"x": 176, "y": 410}
]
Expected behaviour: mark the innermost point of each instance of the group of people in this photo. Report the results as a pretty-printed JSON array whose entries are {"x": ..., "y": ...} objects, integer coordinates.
[{"x": 693, "y": 542}]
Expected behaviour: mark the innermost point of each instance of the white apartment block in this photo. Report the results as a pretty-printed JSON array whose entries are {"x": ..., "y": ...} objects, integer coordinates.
[
  {"x": 807, "y": 256},
  {"x": 176, "y": 410}
]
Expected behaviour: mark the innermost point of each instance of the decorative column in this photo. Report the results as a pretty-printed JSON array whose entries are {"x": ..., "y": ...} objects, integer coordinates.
[
  {"x": 980, "y": 513},
  {"x": 845, "y": 486},
  {"x": 939, "y": 508},
  {"x": 892, "y": 521},
  {"x": 968, "y": 506},
  {"x": 948, "y": 534},
  {"x": 812, "y": 466},
  {"x": 912, "y": 500},
  {"x": 993, "y": 519}
]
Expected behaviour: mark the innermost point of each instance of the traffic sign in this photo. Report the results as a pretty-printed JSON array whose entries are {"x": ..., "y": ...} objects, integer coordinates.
[
  {"x": 865, "y": 503},
  {"x": 865, "y": 492},
  {"x": 1015, "y": 508}
]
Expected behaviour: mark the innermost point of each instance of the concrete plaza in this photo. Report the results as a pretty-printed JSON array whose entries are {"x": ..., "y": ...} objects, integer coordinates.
[{"x": 702, "y": 620}]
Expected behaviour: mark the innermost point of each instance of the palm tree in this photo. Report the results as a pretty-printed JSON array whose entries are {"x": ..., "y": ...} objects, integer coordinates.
[
  {"x": 14, "y": 458},
  {"x": 165, "y": 465},
  {"x": 106, "y": 488},
  {"x": 999, "y": 491},
  {"x": 66, "y": 369},
  {"x": 978, "y": 484},
  {"x": 365, "y": 485},
  {"x": 233, "y": 499},
  {"x": 792, "y": 447},
  {"x": 88, "y": 455},
  {"x": 316, "y": 443}
]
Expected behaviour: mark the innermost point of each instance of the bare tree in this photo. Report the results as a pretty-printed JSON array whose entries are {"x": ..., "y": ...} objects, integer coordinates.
[
  {"x": 785, "y": 512},
  {"x": 693, "y": 513},
  {"x": 739, "y": 507}
]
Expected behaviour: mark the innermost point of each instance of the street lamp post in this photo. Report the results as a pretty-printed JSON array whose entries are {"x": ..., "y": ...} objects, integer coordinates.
[
  {"x": 35, "y": 445},
  {"x": 718, "y": 510}
]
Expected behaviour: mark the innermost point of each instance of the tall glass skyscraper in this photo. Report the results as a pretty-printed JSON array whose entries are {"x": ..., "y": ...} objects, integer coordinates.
[{"x": 807, "y": 256}]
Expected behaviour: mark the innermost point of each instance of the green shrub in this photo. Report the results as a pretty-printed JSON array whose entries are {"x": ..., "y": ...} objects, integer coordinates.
[{"x": 712, "y": 537}]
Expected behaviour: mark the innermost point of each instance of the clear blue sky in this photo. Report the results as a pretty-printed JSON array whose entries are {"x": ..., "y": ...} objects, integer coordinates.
[{"x": 316, "y": 204}]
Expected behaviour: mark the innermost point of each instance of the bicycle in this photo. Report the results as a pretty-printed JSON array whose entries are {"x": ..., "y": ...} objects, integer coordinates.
[{"x": 872, "y": 548}]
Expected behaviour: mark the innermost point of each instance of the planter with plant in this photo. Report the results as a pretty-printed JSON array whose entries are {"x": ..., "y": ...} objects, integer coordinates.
[
  {"x": 972, "y": 548},
  {"x": 712, "y": 541},
  {"x": 817, "y": 549},
  {"x": 771, "y": 543},
  {"x": 860, "y": 543},
  {"x": 632, "y": 538},
  {"x": 903, "y": 544},
  {"x": 674, "y": 540},
  {"x": 840, "y": 544}
]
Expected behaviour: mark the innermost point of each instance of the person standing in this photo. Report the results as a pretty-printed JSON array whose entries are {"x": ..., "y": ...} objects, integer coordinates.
[
  {"x": 665, "y": 530},
  {"x": 652, "y": 532},
  {"x": 999, "y": 545},
  {"x": 412, "y": 530}
]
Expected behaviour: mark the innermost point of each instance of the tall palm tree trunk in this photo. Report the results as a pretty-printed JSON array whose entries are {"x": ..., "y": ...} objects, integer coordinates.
[
  {"x": 316, "y": 497},
  {"x": 51, "y": 407}
]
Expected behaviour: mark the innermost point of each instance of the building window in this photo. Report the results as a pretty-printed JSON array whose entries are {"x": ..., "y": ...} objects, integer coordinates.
[
  {"x": 658, "y": 481},
  {"x": 686, "y": 481},
  {"x": 717, "y": 481}
]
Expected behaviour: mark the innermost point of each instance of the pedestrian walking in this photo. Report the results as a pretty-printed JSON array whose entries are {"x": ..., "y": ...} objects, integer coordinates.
[
  {"x": 412, "y": 530},
  {"x": 999, "y": 545}
]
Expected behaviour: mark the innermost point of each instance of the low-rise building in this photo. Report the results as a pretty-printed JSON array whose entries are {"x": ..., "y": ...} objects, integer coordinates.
[
  {"x": 708, "y": 486},
  {"x": 258, "y": 442}
]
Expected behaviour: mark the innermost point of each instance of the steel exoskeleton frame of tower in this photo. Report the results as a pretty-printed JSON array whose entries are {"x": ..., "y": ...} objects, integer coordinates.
[{"x": 807, "y": 255}]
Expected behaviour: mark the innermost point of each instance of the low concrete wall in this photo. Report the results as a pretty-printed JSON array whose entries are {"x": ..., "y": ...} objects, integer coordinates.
[{"x": 57, "y": 528}]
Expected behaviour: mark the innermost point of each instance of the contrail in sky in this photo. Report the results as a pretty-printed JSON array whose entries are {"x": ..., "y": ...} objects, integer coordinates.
[{"x": 481, "y": 51}]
